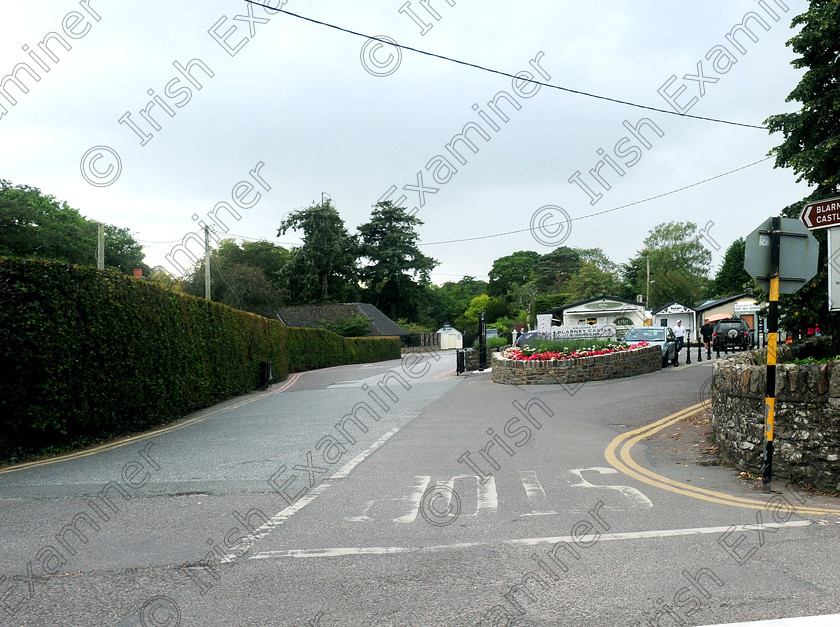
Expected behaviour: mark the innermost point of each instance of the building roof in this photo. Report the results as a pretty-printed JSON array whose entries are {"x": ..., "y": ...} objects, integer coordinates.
[
  {"x": 559, "y": 310},
  {"x": 312, "y": 315},
  {"x": 664, "y": 307},
  {"x": 711, "y": 304}
]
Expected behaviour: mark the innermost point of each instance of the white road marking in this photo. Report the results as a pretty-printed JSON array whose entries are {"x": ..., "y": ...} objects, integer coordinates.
[
  {"x": 421, "y": 483},
  {"x": 238, "y": 550},
  {"x": 626, "y": 490},
  {"x": 535, "y": 493},
  {"x": 632, "y": 535}
]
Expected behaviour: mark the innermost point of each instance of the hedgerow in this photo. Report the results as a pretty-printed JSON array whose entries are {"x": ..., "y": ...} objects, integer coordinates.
[{"x": 89, "y": 354}]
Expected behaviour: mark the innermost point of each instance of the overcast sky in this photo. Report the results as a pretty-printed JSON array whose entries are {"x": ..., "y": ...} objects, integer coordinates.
[{"x": 325, "y": 111}]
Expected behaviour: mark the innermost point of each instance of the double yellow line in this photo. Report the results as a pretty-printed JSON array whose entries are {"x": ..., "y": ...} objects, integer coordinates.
[{"x": 619, "y": 455}]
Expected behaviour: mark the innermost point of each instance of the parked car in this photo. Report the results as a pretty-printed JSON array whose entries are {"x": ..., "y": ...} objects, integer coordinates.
[
  {"x": 664, "y": 336},
  {"x": 732, "y": 333}
]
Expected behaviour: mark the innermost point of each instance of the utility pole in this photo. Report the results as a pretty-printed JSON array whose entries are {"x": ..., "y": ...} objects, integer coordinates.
[
  {"x": 647, "y": 291},
  {"x": 207, "y": 262},
  {"x": 100, "y": 246}
]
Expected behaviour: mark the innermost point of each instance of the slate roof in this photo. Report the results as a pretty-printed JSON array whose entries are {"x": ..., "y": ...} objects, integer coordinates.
[
  {"x": 711, "y": 304},
  {"x": 311, "y": 315}
]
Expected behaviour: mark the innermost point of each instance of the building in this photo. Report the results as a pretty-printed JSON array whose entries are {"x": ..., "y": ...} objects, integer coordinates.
[
  {"x": 604, "y": 310},
  {"x": 742, "y": 305},
  {"x": 313, "y": 316},
  {"x": 667, "y": 316}
]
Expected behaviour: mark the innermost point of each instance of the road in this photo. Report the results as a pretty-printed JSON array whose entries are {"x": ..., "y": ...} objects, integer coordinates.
[{"x": 399, "y": 494}]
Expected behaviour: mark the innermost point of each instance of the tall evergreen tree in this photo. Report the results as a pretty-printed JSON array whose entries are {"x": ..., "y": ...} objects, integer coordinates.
[
  {"x": 324, "y": 268},
  {"x": 396, "y": 270}
]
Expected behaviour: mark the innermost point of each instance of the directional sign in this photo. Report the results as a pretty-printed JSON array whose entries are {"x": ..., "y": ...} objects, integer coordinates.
[
  {"x": 797, "y": 255},
  {"x": 821, "y": 214}
]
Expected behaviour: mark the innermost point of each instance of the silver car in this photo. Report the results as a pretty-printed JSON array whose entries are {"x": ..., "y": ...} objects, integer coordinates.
[{"x": 663, "y": 336}]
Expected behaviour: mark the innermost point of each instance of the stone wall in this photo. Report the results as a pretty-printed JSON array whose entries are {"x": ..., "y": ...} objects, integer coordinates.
[
  {"x": 471, "y": 357},
  {"x": 596, "y": 368},
  {"x": 807, "y": 418}
]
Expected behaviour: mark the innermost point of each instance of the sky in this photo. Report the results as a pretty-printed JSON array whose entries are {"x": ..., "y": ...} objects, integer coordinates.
[{"x": 163, "y": 117}]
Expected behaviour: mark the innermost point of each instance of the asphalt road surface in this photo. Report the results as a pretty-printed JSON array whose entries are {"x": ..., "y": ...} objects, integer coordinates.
[{"x": 399, "y": 494}]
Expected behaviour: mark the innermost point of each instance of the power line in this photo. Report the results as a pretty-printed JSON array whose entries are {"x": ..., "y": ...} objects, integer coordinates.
[
  {"x": 500, "y": 73},
  {"x": 599, "y": 213}
]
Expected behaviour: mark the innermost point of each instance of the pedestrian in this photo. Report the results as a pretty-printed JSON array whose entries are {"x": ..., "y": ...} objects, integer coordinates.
[
  {"x": 707, "y": 331},
  {"x": 679, "y": 333}
]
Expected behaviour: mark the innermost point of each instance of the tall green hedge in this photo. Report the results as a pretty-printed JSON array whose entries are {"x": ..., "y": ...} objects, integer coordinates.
[{"x": 87, "y": 354}]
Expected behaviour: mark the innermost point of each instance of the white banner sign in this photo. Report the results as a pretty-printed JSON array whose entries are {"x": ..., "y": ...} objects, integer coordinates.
[
  {"x": 583, "y": 332},
  {"x": 746, "y": 307}
]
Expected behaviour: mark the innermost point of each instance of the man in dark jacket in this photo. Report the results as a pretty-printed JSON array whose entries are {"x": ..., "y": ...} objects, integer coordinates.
[{"x": 707, "y": 330}]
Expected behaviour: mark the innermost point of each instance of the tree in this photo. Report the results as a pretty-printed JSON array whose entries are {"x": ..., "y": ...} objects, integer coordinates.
[
  {"x": 396, "y": 269},
  {"x": 554, "y": 270},
  {"x": 33, "y": 224},
  {"x": 732, "y": 279},
  {"x": 809, "y": 147},
  {"x": 324, "y": 268},
  {"x": 512, "y": 270},
  {"x": 679, "y": 265},
  {"x": 591, "y": 281},
  {"x": 811, "y": 134},
  {"x": 495, "y": 308},
  {"x": 237, "y": 285},
  {"x": 268, "y": 257}
]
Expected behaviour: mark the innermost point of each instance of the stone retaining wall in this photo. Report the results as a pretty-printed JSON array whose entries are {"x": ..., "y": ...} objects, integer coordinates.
[
  {"x": 807, "y": 418},
  {"x": 471, "y": 357},
  {"x": 596, "y": 368}
]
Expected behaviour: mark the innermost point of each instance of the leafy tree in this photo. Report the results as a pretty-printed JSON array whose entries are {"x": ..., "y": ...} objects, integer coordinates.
[
  {"x": 236, "y": 285},
  {"x": 554, "y": 270},
  {"x": 33, "y": 224},
  {"x": 268, "y": 257},
  {"x": 324, "y": 268},
  {"x": 396, "y": 269},
  {"x": 495, "y": 308},
  {"x": 591, "y": 281},
  {"x": 526, "y": 297},
  {"x": 446, "y": 303},
  {"x": 732, "y": 279},
  {"x": 811, "y": 134},
  {"x": 810, "y": 148},
  {"x": 510, "y": 271},
  {"x": 679, "y": 265}
]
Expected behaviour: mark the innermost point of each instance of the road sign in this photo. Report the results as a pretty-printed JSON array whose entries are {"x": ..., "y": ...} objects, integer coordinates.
[
  {"x": 821, "y": 214},
  {"x": 834, "y": 269},
  {"x": 798, "y": 253}
]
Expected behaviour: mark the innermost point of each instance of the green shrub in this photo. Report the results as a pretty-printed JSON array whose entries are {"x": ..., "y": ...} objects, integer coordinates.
[
  {"x": 356, "y": 325},
  {"x": 493, "y": 342},
  {"x": 89, "y": 354}
]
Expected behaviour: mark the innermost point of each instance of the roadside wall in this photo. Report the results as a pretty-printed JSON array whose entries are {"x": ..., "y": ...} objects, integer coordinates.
[
  {"x": 597, "y": 368},
  {"x": 807, "y": 418}
]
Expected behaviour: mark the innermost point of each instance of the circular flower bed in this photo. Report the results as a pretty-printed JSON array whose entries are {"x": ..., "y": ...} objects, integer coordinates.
[{"x": 524, "y": 354}]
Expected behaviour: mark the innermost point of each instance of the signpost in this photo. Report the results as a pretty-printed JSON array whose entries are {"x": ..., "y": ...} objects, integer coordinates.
[
  {"x": 821, "y": 214},
  {"x": 781, "y": 255}
]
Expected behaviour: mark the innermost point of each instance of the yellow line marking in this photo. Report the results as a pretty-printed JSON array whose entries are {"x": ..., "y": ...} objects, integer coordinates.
[
  {"x": 124, "y": 442},
  {"x": 618, "y": 455}
]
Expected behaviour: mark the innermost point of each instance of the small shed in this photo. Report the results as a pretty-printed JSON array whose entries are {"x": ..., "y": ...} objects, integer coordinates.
[
  {"x": 667, "y": 316},
  {"x": 450, "y": 337}
]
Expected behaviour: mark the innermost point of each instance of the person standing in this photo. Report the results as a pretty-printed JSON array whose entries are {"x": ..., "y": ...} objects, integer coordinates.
[
  {"x": 707, "y": 331},
  {"x": 679, "y": 333}
]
